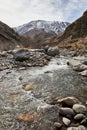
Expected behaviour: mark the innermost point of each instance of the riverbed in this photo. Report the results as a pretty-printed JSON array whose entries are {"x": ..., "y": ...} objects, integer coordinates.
[{"x": 50, "y": 83}]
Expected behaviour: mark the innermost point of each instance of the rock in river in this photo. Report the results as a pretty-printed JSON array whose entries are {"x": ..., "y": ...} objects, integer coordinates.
[
  {"x": 53, "y": 51},
  {"x": 68, "y": 101},
  {"x": 79, "y": 108}
]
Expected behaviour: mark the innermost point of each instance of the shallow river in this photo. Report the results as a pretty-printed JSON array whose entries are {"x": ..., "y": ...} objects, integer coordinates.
[{"x": 50, "y": 83}]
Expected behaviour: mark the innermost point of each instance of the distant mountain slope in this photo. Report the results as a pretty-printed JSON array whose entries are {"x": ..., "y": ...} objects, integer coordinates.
[
  {"x": 47, "y": 26},
  {"x": 8, "y": 37},
  {"x": 36, "y": 37},
  {"x": 74, "y": 37}
]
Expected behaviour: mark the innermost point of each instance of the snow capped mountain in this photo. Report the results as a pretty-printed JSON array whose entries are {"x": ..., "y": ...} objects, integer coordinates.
[{"x": 47, "y": 26}]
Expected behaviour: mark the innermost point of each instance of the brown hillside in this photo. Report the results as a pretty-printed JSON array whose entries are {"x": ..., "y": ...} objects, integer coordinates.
[
  {"x": 8, "y": 37},
  {"x": 74, "y": 37},
  {"x": 35, "y": 38}
]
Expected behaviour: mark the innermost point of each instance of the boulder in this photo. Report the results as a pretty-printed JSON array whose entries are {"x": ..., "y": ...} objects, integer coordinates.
[
  {"x": 53, "y": 51},
  {"x": 21, "y": 54},
  {"x": 79, "y": 108},
  {"x": 68, "y": 101}
]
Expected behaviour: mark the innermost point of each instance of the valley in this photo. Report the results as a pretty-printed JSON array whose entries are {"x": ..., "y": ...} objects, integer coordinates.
[{"x": 43, "y": 76}]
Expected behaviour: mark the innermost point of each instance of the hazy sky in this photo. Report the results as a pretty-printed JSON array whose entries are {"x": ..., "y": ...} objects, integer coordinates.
[{"x": 17, "y": 12}]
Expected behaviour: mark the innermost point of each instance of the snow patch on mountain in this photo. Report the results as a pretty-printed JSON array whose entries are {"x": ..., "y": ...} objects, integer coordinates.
[{"x": 48, "y": 26}]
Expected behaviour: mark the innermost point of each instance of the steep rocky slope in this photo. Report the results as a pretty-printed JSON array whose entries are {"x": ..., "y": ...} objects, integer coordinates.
[
  {"x": 8, "y": 37},
  {"x": 74, "y": 37}
]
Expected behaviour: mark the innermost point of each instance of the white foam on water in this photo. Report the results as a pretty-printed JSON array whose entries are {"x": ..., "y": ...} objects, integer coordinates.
[{"x": 54, "y": 64}]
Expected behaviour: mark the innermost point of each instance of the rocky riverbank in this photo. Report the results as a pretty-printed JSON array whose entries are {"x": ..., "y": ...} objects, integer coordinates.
[
  {"x": 23, "y": 58},
  {"x": 38, "y": 97}
]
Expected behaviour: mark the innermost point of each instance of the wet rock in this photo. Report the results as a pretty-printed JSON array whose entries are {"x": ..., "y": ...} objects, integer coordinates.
[
  {"x": 57, "y": 124},
  {"x": 53, "y": 51},
  {"x": 28, "y": 87},
  {"x": 84, "y": 121},
  {"x": 68, "y": 101},
  {"x": 3, "y": 53},
  {"x": 29, "y": 117},
  {"x": 84, "y": 62},
  {"x": 66, "y": 111},
  {"x": 77, "y": 128},
  {"x": 83, "y": 73},
  {"x": 73, "y": 63},
  {"x": 46, "y": 48},
  {"x": 80, "y": 67},
  {"x": 44, "y": 107},
  {"x": 20, "y": 78},
  {"x": 79, "y": 117},
  {"x": 21, "y": 54},
  {"x": 66, "y": 121},
  {"x": 81, "y": 127},
  {"x": 79, "y": 108}
]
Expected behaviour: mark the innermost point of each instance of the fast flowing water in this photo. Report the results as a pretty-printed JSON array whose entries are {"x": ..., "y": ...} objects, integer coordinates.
[{"x": 50, "y": 82}]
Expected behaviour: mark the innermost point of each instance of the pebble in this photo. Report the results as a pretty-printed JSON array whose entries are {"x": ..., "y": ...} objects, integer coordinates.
[
  {"x": 28, "y": 87},
  {"x": 81, "y": 127},
  {"x": 66, "y": 121},
  {"x": 84, "y": 121},
  {"x": 79, "y": 116},
  {"x": 57, "y": 124}
]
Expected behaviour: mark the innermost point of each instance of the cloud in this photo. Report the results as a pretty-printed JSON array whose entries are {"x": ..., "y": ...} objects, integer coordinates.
[{"x": 18, "y": 12}]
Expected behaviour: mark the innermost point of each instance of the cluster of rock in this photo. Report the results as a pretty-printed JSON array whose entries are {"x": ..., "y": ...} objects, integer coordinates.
[
  {"x": 26, "y": 57},
  {"x": 79, "y": 66},
  {"x": 73, "y": 114}
]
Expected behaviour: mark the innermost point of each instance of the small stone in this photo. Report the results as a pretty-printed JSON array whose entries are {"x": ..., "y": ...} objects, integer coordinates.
[
  {"x": 86, "y": 102},
  {"x": 20, "y": 78},
  {"x": 79, "y": 108},
  {"x": 68, "y": 101},
  {"x": 79, "y": 116},
  {"x": 29, "y": 117},
  {"x": 84, "y": 121},
  {"x": 66, "y": 111},
  {"x": 57, "y": 124},
  {"x": 81, "y": 127},
  {"x": 66, "y": 121},
  {"x": 84, "y": 73},
  {"x": 28, "y": 87}
]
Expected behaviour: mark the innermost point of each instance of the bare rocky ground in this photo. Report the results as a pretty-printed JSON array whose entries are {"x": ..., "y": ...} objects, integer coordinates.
[{"x": 29, "y": 92}]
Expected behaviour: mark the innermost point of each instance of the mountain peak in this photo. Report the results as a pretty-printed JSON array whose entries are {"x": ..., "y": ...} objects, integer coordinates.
[{"x": 48, "y": 26}]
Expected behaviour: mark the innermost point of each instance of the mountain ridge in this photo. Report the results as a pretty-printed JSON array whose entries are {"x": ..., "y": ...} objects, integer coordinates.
[{"x": 48, "y": 26}]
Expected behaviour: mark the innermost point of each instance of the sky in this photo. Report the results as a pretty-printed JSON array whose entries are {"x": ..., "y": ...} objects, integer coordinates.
[{"x": 18, "y": 12}]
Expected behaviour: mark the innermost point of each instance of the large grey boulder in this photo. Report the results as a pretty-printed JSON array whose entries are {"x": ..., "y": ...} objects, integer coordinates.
[
  {"x": 53, "y": 51},
  {"x": 21, "y": 54}
]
